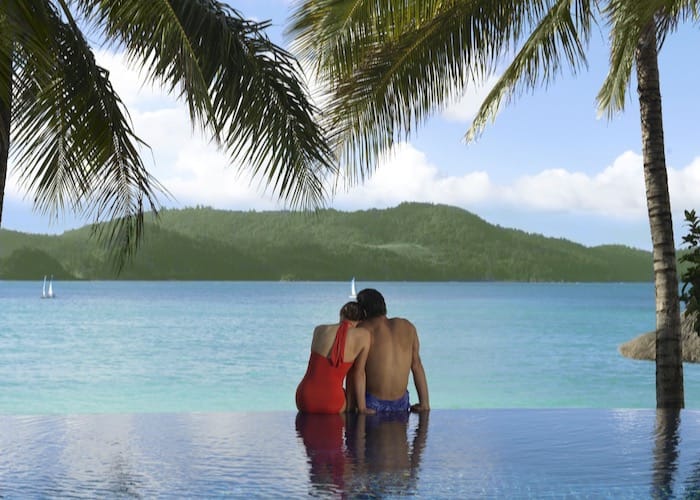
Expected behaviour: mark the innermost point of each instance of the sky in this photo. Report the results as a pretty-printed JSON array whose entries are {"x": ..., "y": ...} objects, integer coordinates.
[{"x": 547, "y": 165}]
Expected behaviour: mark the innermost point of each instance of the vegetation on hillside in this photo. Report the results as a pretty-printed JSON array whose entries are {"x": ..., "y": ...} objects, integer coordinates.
[{"x": 412, "y": 242}]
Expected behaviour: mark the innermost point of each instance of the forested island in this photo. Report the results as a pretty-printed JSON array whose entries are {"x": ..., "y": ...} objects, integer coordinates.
[{"x": 411, "y": 242}]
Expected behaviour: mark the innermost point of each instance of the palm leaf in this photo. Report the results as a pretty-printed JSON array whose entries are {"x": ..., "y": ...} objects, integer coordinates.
[
  {"x": 559, "y": 36},
  {"x": 394, "y": 63},
  {"x": 241, "y": 88},
  {"x": 73, "y": 145},
  {"x": 23, "y": 27},
  {"x": 627, "y": 22}
]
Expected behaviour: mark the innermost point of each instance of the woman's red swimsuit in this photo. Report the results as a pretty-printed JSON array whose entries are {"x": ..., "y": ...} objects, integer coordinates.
[{"x": 321, "y": 389}]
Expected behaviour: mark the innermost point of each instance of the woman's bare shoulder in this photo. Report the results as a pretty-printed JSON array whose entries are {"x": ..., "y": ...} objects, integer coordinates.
[
  {"x": 324, "y": 331},
  {"x": 331, "y": 327}
]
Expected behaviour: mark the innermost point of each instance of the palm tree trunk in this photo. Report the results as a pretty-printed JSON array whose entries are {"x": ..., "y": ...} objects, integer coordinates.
[
  {"x": 669, "y": 360},
  {"x": 5, "y": 105}
]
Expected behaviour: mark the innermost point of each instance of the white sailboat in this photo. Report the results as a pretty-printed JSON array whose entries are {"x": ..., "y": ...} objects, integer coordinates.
[
  {"x": 353, "y": 293},
  {"x": 47, "y": 294},
  {"x": 51, "y": 295}
]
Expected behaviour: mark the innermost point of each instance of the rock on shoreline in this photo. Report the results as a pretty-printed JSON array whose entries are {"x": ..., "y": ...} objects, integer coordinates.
[{"x": 644, "y": 346}]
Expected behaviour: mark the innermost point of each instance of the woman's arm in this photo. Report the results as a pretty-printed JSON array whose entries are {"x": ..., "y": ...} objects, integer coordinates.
[
  {"x": 359, "y": 379},
  {"x": 350, "y": 390}
]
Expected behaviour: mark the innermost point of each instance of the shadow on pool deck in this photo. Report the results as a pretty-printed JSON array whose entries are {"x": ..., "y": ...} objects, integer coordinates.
[{"x": 444, "y": 454}]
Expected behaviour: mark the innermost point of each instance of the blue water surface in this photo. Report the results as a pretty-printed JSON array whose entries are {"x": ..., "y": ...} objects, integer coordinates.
[
  {"x": 570, "y": 453},
  {"x": 133, "y": 347},
  {"x": 185, "y": 389}
]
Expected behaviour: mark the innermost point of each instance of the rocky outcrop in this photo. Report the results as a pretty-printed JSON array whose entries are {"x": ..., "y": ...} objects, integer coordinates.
[{"x": 644, "y": 346}]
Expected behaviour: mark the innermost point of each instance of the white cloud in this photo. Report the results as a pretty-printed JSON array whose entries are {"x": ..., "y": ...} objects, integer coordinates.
[
  {"x": 201, "y": 175},
  {"x": 616, "y": 191},
  {"x": 683, "y": 186},
  {"x": 406, "y": 175}
]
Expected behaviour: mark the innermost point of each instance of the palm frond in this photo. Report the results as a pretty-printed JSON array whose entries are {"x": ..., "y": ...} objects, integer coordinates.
[
  {"x": 6, "y": 37},
  {"x": 23, "y": 26},
  {"x": 5, "y": 99},
  {"x": 627, "y": 22},
  {"x": 559, "y": 37},
  {"x": 73, "y": 144},
  {"x": 388, "y": 65},
  {"x": 241, "y": 88},
  {"x": 153, "y": 36},
  {"x": 337, "y": 35}
]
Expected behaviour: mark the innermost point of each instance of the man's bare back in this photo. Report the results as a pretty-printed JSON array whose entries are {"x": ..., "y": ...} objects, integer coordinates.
[
  {"x": 390, "y": 356},
  {"x": 393, "y": 355}
]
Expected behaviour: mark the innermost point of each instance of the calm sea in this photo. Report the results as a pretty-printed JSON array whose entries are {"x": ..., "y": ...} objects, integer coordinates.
[{"x": 135, "y": 347}]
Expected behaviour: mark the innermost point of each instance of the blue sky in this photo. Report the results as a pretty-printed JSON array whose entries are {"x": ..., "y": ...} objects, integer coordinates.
[{"x": 548, "y": 164}]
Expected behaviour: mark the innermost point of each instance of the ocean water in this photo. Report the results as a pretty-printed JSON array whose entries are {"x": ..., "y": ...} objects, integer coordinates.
[
  {"x": 135, "y": 347},
  {"x": 182, "y": 390}
]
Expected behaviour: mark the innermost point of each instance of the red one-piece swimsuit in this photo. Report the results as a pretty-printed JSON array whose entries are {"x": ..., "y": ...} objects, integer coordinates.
[{"x": 321, "y": 389}]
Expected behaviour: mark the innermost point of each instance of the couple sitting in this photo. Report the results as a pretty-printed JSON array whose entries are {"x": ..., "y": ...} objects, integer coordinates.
[{"x": 376, "y": 354}]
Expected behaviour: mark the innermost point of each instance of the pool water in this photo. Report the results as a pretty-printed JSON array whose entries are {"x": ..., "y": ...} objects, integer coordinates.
[{"x": 517, "y": 453}]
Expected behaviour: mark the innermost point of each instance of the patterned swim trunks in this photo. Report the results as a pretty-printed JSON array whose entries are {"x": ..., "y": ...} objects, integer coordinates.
[{"x": 385, "y": 405}]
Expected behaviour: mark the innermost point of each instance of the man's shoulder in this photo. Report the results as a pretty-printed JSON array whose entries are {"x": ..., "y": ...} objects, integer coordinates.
[
  {"x": 385, "y": 324},
  {"x": 398, "y": 319},
  {"x": 402, "y": 324}
]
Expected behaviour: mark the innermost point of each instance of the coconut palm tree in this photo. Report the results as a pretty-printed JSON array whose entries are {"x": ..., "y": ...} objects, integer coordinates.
[
  {"x": 387, "y": 65},
  {"x": 69, "y": 137}
]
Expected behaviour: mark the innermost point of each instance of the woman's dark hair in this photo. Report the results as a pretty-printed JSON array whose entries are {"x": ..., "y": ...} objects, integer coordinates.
[
  {"x": 371, "y": 302},
  {"x": 352, "y": 312}
]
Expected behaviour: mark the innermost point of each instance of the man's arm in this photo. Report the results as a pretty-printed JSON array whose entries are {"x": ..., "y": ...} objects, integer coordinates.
[{"x": 419, "y": 379}]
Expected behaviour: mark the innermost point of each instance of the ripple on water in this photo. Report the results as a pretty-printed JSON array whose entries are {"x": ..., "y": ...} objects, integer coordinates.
[{"x": 445, "y": 454}]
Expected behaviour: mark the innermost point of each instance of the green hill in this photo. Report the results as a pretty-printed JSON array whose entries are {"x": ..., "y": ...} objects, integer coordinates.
[{"x": 411, "y": 242}]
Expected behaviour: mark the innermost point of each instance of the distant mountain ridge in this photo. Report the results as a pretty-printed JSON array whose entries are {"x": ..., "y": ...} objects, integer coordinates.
[{"x": 410, "y": 242}]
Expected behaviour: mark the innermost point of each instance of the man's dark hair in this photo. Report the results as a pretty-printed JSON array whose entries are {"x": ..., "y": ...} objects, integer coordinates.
[{"x": 371, "y": 302}]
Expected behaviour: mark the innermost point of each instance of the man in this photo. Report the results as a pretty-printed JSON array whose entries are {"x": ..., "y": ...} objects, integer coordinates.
[{"x": 394, "y": 352}]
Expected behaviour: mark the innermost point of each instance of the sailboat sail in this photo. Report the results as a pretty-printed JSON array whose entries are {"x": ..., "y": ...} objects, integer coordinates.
[
  {"x": 47, "y": 294},
  {"x": 353, "y": 293}
]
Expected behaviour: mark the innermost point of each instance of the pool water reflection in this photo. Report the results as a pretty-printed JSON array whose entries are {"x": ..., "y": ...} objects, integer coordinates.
[
  {"x": 363, "y": 455},
  {"x": 444, "y": 454}
]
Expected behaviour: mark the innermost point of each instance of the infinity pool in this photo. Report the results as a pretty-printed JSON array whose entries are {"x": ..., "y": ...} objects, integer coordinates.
[{"x": 445, "y": 454}]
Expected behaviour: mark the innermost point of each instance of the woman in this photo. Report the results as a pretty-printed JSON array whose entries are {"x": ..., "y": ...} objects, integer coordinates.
[{"x": 335, "y": 349}]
